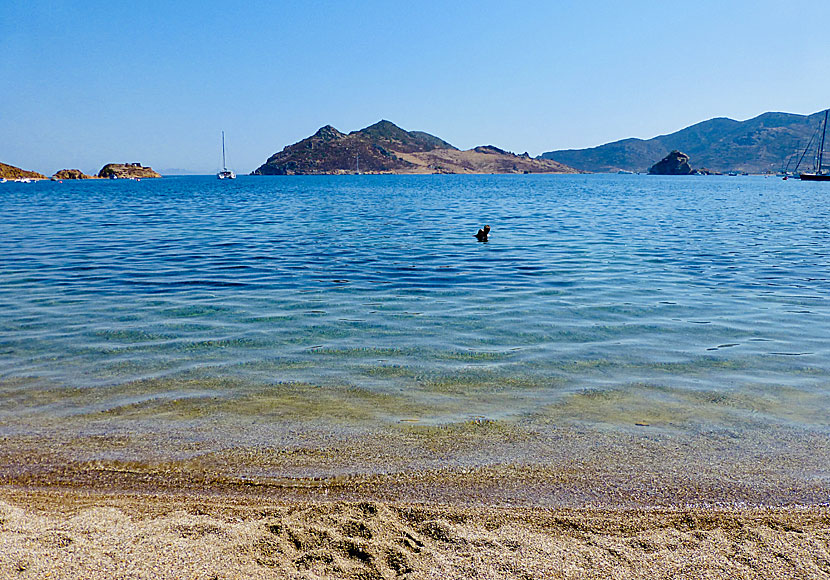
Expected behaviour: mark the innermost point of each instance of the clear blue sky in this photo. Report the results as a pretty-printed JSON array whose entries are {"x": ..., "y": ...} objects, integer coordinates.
[{"x": 86, "y": 83}]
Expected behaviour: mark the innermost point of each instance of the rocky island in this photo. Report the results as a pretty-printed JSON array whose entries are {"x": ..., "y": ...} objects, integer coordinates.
[
  {"x": 126, "y": 171},
  {"x": 12, "y": 172},
  {"x": 386, "y": 148},
  {"x": 71, "y": 174},
  {"x": 675, "y": 163}
]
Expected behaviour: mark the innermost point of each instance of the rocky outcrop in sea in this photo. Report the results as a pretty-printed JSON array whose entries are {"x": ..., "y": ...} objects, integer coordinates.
[
  {"x": 675, "y": 163},
  {"x": 71, "y": 174}
]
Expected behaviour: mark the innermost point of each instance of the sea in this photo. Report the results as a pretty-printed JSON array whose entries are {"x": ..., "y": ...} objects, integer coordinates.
[{"x": 610, "y": 302}]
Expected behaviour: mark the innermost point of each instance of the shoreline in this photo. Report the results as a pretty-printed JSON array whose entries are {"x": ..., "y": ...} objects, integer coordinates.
[
  {"x": 559, "y": 463},
  {"x": 481, "y": 499}
]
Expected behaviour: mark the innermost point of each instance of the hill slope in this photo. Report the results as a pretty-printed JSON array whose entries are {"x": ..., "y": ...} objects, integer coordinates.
[
  {"x": 757, "y": 145},
  {"x": 386, "y": 148},
  {"x": 485, "y": 159},
  {"x": 12, "y": 172}
]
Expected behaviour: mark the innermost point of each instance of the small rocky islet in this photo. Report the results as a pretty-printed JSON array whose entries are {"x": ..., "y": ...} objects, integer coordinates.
[
  {"x": 676, "y": 163},
  {"x": 71, "y": 174},
  {"x": 127, "y": 171}
]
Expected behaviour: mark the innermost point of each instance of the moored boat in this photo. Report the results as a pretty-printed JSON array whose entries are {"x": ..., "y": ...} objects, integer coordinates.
[
  {"x": 820, "y": 173},
  {"x": 815, "y": 176},
  {"x": 225, "y": 173}
]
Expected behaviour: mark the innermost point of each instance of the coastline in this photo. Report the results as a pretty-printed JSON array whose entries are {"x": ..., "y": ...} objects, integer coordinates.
[{"x": 371, "y": 506}]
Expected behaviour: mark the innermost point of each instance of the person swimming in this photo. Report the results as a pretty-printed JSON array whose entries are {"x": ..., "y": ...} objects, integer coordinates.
[{"x": 482, "y": 234}]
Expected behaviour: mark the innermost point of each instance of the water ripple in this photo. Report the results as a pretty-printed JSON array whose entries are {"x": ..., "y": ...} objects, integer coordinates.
[{"x": 586, "y": 280}]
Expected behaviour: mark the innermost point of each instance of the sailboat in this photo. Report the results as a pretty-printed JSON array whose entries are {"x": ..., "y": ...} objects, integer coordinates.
[
  {"x": 225, "y": 173},
  {"x": 820, "y": 173}
]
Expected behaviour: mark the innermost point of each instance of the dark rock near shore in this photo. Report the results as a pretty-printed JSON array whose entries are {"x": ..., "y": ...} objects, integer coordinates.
[{"x": 675, "y": 163}]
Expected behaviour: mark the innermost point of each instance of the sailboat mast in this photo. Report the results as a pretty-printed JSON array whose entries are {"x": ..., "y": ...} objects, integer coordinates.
[
  {"x": 224, "y": 166},
  {"x": 821, "y": 147}
]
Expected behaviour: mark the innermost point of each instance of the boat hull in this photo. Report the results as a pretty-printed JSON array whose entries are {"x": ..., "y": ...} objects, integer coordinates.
[{"x": 815, "y": 177}]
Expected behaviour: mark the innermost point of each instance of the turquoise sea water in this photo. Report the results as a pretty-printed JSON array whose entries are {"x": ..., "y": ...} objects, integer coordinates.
[{"x": 600, "y": 299}]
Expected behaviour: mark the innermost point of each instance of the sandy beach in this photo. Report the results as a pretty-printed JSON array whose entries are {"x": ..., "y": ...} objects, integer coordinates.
[
  {"x": 628, "y": 507},
  {"x": 65, "y": 533}
]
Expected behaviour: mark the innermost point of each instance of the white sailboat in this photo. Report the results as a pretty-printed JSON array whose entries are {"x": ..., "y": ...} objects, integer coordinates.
[{"x": 225, "y": 173}]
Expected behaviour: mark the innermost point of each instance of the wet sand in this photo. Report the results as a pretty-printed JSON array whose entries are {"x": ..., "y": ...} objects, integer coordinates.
[
  {"x": 479, "y": 500},
  {"x": 310, "y": 486}
]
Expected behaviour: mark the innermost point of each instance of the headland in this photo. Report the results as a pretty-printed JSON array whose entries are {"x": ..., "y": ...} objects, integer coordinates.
[
  {"x": 12, "y": 172},
  {"x": 386, "y": 148}
]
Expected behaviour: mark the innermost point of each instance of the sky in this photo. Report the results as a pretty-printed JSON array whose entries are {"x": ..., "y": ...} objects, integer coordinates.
[{"x": 88, "y": 83}]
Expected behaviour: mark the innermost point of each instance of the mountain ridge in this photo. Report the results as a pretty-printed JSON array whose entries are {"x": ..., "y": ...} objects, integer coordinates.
[
  {"x": 761, "y": 144},
  {"x": 386, "y": 148}
]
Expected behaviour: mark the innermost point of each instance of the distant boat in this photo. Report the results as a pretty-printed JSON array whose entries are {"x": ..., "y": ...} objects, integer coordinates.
[
  {"x": 819, "y": 173},
  {"x": 225, "y": 173}
]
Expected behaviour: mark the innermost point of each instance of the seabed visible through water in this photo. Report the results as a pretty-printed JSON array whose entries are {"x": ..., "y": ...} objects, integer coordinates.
[{"x": 619, "y": 340}]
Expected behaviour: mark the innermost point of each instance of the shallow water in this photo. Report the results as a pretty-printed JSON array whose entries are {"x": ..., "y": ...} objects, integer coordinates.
[{"x": 604, "y": 300}]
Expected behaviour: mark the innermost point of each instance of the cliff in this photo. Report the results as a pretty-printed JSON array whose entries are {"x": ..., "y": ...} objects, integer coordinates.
[
  {"x": 764, "y": 143},
  {"x": 72, "y": 174},
  {"x": 386, "y": 148},
  {"x": 127, "y": 171},
  {"x": 12, "y": 172}
]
